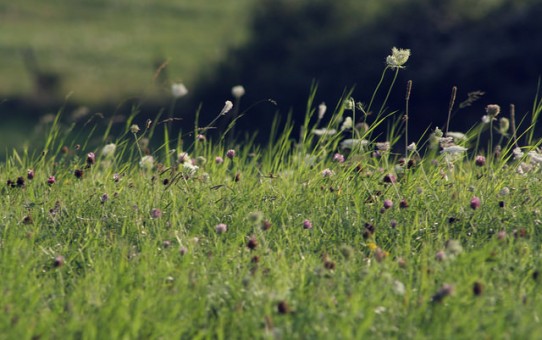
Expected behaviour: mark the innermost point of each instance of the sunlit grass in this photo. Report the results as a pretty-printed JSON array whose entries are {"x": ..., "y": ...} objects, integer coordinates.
[{"x": 308, "y": 237}]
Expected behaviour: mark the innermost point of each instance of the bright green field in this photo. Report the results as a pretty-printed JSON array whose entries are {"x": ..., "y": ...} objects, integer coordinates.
[
  {"x": 106, "y": 49},
  {"x": 286, "y": 241}
]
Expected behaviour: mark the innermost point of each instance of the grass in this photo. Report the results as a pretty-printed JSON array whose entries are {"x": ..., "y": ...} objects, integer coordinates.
[
  {"x": 314, "y": 246},
  {"x": 106, "y": 50}
]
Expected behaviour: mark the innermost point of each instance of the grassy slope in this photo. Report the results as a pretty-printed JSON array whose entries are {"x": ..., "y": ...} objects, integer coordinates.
[
  {"x": 119, "y": 279},
  {"x": 106, "y": 49}
]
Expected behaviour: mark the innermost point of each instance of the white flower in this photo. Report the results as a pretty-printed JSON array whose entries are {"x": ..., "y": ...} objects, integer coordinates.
[
  {"x": 347, "y": 124},
  {"x": 322, "y": 110},
  {"x": 109, "y": 150},
  {"x": 228, "y": 105},
  {"x": 411, "y": 147},
  {"x": 383, "y": 146},
  {"x": 517, "y": 153},
  {"x": 324, "y": 132},
  {"x": 354, "y": 144},
  {"x": 147, "y": 162},
  {"x": 327, "y": 173},
  {"x": 178, "y": 90},
  {"x": 535, "y": 157},
  {"x": 457, "y": 136},
  {"x": 349, "y": 104},
  {"x": 238, "y": 91},
  {"x": 134, "y": 128},
  {"x": 398, "y": 58},
  {"x": 454, "y": 149},
  {"x": 189, "y": 168}
]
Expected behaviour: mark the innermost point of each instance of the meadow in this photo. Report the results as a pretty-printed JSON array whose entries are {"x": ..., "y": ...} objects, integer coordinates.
[{"x": 334, "y": 232}]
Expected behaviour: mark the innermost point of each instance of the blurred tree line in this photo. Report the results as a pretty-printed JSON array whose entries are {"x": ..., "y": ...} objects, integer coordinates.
[{"x": 494, "y": 46}]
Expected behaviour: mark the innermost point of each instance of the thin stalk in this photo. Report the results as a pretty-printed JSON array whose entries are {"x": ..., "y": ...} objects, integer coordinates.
[
  {"x": 406, "y": 117},
  {"x": 376, "y": 90},
  {"x": 450, "y": 107},
  {"x": 389, "y": 91}
]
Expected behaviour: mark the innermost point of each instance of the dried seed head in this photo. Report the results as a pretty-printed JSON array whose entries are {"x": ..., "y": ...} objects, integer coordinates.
[
  {"x": 58, "y": 261},
  {"x": 252, "y": 243},
  {"x": 493, "y": 110},
  {"x": 477, "y": 288}
]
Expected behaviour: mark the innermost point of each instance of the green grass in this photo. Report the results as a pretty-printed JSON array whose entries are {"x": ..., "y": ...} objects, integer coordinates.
[
  {"x": 105, "y": 50},
  {"x": 78, "y": 264}
]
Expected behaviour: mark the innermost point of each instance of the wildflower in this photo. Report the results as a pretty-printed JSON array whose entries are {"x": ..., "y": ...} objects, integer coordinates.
[
  {"x": 183, "y": 250},
  {"x": 238, "y": 91},
  {"x": 454, "y": 149},
  {"x": 109, "y": 150},
  {"x": 477, "y": 288},
  {"x": 338, "y": 158},
  {"x": 252, "y": 243},
  {"x": 78, "y": 173},
  {"x": 536, "y": 158},
  {"x": 475, "y": 203},
  {"x": 178, "y": 90},
  {"x": 352, "y": 144},
  {"x": 307, "y": 224},
  {"x": 517, "y": 153},
  {"x": 453, "y": 247},
  {"x": 411, "y": 147},
  {"x": 349, "y": 104},
  {"x": 58, "y": 261},
  {"x": 91, "y": 158},
  {"x": 324, "y": 132},
  {"x": 219, "y": 160},
  {"x": 504, "y": 191},
  {"x": 30, "y": 174},
  {"x": 266, "y": 225},
  {"x": 398, "y": 58},
  {"x": 457, "y": 136},
  {"x": 393, "y": 224},
  {"x": 390, "y": 178},
  {"x": 147, "y": 162},
  {"x": 156, "y": 213},
  {"x": 504, "y": 125},
  {"x": 444, "y": 291},
  {"x": 104, "y": 198},
  {"x": 183, "y": 157},
  {"x": 383, "y": 146},
  {"x": 230, "y": 154},
  {"x": 327, "y": 173},
  {"x": 440, "y": 256},
  {"x": 221, "y": 228},
  {"x": 372, "y": 246},
  {"x": 388, "y": 204},
  {"x": 403, "y": 204},
  {"x": 493, "y": 110},
  {"x": 283, "y": 308},
  {"x": 116, "y": 177},
  {"x": 380, "y": 254},
  {"x": 190, "y": 169},
  {"x": 134, "y": 128},
  {"x": 228, "y": 105},
  {"x": 201, "y": 137},
  {"x": 322, "y": 108},
  {"x": 398, "y": 287},
  {"x": 347, "y": 124},
  {"x": 480, "y": 160},
  {"x": 51, "y": 180}
]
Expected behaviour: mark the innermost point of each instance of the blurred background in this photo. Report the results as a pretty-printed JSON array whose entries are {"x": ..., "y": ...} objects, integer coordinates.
[{"x": 95, "y": 59}]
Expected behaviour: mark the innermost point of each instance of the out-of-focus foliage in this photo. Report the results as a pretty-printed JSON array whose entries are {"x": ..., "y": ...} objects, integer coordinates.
[{"x": 492, "y": 46}]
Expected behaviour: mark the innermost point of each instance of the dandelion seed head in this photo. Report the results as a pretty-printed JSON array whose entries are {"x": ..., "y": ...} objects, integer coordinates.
[
  {"x": 238, "y": 91},
  {"x": 179, "y": 90}
]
